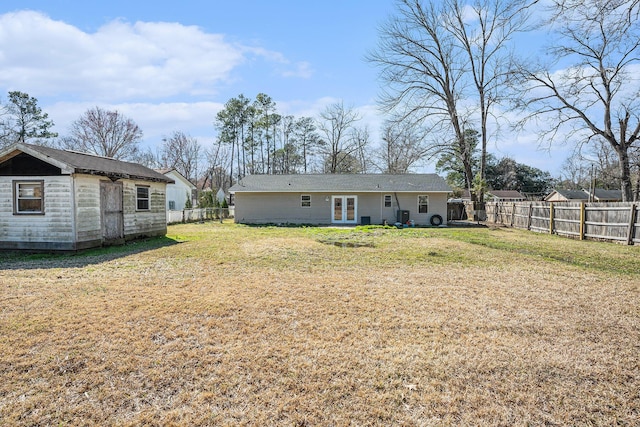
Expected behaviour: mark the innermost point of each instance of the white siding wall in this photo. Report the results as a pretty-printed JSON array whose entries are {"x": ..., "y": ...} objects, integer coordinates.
[
  {"x": 54, "y": 229},
  {"x": 88, "y": 225},
  {"x": 265, "y": 208},
  {"x": 144, "y": 223}
]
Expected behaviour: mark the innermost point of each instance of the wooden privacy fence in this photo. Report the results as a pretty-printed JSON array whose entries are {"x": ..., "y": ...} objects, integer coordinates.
[{"x": 617, "y": 222}]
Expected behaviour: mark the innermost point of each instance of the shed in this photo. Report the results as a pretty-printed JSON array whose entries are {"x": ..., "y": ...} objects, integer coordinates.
[
  {"x": 54, "y": 199},
  {"x": 341, "y": 199}
]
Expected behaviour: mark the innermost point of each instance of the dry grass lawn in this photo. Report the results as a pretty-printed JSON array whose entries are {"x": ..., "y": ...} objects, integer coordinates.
[{"x": 231, "y": 325}]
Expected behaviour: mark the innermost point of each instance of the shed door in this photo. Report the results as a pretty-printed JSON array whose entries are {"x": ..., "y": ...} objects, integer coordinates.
[{"x": 112, "y": 214}]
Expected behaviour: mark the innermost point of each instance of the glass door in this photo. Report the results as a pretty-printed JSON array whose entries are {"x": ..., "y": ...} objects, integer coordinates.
[{"x": 344, "y": 209}]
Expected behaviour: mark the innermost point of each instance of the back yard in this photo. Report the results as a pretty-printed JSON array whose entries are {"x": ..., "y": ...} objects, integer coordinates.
[{"x": 234, "y": 325}]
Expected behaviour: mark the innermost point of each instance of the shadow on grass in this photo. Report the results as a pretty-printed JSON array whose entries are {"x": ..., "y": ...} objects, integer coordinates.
[{"x": 14, "y": 260}]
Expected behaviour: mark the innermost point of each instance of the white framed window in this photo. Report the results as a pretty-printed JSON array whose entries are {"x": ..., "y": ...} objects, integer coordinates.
[
  {"x": 305, "y": 201},
  {"x": 387, "y": 200},
  {"x": 28, "y": 197},
  {"x": 423, "y": 203},
  {"x": 143, "y": 203}
]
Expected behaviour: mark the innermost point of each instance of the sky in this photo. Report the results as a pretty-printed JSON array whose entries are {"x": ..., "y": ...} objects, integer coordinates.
[{"x": 171, "y": 66}]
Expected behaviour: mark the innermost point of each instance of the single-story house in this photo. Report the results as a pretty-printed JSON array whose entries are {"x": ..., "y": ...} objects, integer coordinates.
[
  {"x": 341, "y": 199},
  {"x": 599, "y": 195},
  {"x": 180, "y": 191},
  {"x": 567, "y": 196},
  {"x": 54, "y": 199}
]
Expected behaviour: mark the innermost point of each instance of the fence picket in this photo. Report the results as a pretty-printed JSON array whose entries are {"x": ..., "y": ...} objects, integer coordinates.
[{"x": 616, "y": 222}]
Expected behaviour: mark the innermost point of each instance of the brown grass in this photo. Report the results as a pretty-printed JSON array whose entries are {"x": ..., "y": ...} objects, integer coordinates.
[{"x": 274, "y": 326}]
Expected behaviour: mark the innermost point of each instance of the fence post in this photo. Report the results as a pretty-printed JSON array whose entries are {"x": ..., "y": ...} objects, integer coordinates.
[
  {"x": 530, "y": 215},
  {"x": 513, "y": 213},
  {"x": 582, "y": 219},
  {"x": 551, "y": 218},
  {"x": 632, "y": 222}
]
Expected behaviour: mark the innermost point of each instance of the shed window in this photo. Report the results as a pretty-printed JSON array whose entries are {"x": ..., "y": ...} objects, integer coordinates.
[
  {"x": 142, "y": 198},
  {"x": 305, "y": 201},
  {"x": 423, "y": 204},
  {"x": 29, "y": 197},
  {"x": 387, "y": 200}
]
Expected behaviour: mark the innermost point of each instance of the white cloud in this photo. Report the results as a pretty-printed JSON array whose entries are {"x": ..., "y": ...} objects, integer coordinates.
[{"x": 119, "y": 61}]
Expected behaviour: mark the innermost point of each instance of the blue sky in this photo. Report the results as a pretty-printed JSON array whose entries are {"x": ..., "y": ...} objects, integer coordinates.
[{"x": 172, "y": 65}]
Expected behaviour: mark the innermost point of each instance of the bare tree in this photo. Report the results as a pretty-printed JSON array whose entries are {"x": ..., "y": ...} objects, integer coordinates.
[
  {"x": 483, "y": 29},
  {"x": 105, "y": 133},
  {"x": 403, "y": 146},
  {"x": 182, "y": 152},
  {"x": 597, "y": 94},
  {"x": 424, "y": 71},
  {"x": 337, "y": 144}
]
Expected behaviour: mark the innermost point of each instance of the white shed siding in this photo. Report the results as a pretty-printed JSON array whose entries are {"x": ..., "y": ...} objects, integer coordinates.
[
  {"x": 144, "y": 223},
  {"x": 88, "y": 226},
  {"x": 54, "y": 227}
]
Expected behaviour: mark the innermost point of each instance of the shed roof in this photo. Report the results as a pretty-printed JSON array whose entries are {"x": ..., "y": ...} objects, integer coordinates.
[
  {"x": 75, "y": 162},
  {"x": 327, "y": 183}
]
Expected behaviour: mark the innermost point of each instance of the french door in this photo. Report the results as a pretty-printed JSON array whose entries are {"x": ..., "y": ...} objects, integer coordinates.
[{"x": 344, "y": 209}]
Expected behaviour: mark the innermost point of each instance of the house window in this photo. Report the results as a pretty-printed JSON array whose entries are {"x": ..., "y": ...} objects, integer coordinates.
[
  {"x": 423, "y": 204},
  {"x": 142, "y": 198},
  {"x": 305, "y": 201},
  {"x": 172, "y": 205},
  {"x": 387, "y": 200},
  {"x": 29, "y": 197}
]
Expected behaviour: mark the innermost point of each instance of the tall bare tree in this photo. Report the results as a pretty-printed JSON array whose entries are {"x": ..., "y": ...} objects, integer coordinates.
[
  {"x": 483, "y": 30},
  {"x": 182, "y": 152},
  {"x": 338, "y": 144},
  {"x": 596, "y": 93},
  {"x": 424, "y": 69},
  {"x": 105, "y": 133}
]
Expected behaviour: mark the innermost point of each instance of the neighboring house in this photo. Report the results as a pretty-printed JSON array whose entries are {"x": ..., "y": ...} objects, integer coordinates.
[
  {"x": 341, "y": 199},
  {"x": 567, "y": 196},
  {"x": 599, "y": 195},
  {"x": 64, "y": 200},
  {"x": 602, "y": 195},
  {"x": 180, "y": 191}
]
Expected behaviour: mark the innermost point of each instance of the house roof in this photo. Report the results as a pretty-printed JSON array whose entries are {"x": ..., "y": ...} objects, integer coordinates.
[
  {"x": 570, "y": 194},
  {"x": 75, "y": 162},
  {"x": 327, "y": 183},
  {"x": 506, "y": 194},
  {"x": 175, "y": 175},
  {"x": 602, "y": 194},
  {"x": 599, "y": 194}
]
